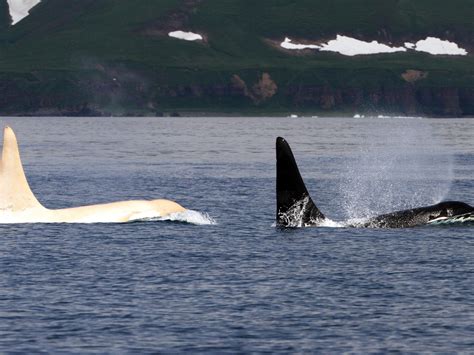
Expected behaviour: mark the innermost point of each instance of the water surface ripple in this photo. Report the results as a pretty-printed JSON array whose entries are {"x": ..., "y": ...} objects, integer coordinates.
[{"x": 240, "y": 285}]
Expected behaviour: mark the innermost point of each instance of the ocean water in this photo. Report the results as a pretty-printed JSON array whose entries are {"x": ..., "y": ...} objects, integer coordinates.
[{"x": 241, "y": 284}]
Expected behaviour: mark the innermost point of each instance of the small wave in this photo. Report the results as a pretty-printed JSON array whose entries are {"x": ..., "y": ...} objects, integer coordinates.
[
  {"x": 325, "y": 223},
  {"x": 397, "y": 117},
  {"x": 188, "y": 216},
  {"x": 358, "y": 115}
]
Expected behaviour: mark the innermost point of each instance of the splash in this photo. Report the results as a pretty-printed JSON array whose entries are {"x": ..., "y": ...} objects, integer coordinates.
[
  {"x": 188, "y": 216},
  {"x": 192, "y": 217},
  {"x": 329, "y": 223},
  {"x": 356, "y": 222},
  {"x": 294, "y": 217},
  {"x": 397, "y": 164}
]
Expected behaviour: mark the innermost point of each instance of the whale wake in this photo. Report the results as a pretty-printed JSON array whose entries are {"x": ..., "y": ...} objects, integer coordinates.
[{"x": 187, "y": 216}]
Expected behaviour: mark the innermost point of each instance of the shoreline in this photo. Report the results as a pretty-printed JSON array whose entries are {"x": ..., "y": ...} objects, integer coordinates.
[{"x": 296, "y": 115}]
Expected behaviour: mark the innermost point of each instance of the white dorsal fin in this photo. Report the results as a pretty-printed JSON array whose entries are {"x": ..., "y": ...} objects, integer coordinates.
[{"x": 15, "y": 193}]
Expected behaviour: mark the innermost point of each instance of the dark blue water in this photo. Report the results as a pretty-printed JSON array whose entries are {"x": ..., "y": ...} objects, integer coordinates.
[{"x": 241, "y": 285}]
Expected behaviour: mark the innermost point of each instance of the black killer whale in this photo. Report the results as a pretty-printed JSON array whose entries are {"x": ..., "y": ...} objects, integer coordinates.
[{"x": 295, "y": 207}]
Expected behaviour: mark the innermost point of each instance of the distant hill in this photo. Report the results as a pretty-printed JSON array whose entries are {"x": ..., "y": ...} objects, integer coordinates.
[{"x": 100, "y": 57}]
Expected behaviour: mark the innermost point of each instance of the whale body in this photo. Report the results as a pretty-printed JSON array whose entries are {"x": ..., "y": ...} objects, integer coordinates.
[
  {"x": 296, "y": 208},
  {"x": 18, "y": 204}
]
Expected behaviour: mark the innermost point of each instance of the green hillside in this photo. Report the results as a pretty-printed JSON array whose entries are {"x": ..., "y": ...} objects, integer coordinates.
[{"x": 114, "y": 56}]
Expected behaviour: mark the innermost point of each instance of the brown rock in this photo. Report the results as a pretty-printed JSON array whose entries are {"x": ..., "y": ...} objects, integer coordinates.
[{"x": 411, "y": 75}]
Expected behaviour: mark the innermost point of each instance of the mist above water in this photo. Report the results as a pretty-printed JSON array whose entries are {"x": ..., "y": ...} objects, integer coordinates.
[{"x": 396, "y": 164}]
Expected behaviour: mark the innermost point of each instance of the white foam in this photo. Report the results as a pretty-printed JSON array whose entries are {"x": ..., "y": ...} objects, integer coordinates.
[
  {"x": 19, "y": 9},
  {"x": 189, "y": 216},
  {"x": 437, "y": 46},
  {"x": 187, "y": 36},
  {"x": 350, "y": 46},
  {"x": 410, "y": 45},
  {"x": 328, "y": 223},
  {"x": 385, "y": 116},
  {"x": 287, "y": 44},
  {"x": 294, "y": 217}
]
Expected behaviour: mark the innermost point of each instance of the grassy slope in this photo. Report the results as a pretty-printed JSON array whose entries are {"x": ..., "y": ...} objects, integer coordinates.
[
  {"x": 309, "y": 18},
  {"x": 102, "y": 29},
  {"x": 247, "y": 22},
  {"x": 88, "y": 33}
]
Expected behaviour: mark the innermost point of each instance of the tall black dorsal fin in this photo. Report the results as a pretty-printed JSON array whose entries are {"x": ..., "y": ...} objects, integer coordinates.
[{"x": 295, "y": 208}]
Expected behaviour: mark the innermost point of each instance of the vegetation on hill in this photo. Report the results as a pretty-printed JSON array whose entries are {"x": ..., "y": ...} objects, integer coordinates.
[{"x": 114, "y": 56}]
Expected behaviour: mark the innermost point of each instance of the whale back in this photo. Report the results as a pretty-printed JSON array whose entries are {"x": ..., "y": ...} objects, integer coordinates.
[
  {"x": 295, "y": 208},
  {"x": 15, "y": 192},
  {"x": 447, "y": 212}
]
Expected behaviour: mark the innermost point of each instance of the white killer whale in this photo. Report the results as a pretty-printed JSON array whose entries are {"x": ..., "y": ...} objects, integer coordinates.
[
  {"x": 18, "y": 204},
  {"x": 295, "y": 207}
]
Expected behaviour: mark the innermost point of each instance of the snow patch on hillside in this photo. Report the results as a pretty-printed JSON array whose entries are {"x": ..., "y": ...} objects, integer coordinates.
[
  {"x": 19, "y": 9},
  {"x": 187, "y": 36},
  {"x": 437, "y": 46},
  {"x": 345, "y": 45},
  {"x": 350, "y": 46},
  {"x": 287, "y": 44}
]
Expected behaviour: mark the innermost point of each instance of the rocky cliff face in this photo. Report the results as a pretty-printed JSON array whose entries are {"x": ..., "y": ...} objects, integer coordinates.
[
  {"x": 100, "y": 57},
  {"x": 407, "y": 100},
  {"x": 101, "y": 96}
]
